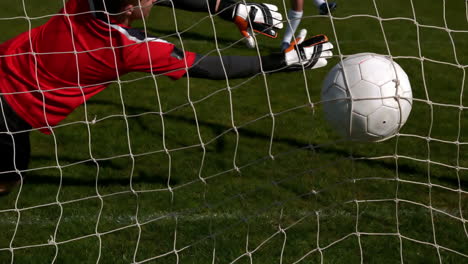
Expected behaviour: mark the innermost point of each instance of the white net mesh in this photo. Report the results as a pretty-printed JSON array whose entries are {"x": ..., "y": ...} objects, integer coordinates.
[{"x": 247, "y": 171}]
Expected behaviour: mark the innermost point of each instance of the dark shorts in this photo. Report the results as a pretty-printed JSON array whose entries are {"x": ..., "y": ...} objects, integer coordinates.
[{"x": 15, "y": 148}]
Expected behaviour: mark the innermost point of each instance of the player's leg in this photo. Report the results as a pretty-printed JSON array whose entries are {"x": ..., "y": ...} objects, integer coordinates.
[
  {"x": 294, "y": 19},
  {"x": 14, "y": 148},
  {"x": 9, "y": 155},
  {"x": 323, "y": 7}
]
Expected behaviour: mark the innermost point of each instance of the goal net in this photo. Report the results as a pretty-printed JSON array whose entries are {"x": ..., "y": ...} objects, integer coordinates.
[{"x": 248, "y": 171}]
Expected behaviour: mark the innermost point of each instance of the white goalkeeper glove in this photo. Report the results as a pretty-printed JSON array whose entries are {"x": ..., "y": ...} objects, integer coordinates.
[
  {"x": 310, "y": 54},
  {"x": 261, "y": 18}
]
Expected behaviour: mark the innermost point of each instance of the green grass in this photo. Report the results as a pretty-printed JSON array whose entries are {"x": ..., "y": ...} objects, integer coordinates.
[{"x": 284, "y": 189}]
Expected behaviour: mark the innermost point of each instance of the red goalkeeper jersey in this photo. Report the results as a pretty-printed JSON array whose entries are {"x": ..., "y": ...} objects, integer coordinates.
[{"x": 49, "y": 71}]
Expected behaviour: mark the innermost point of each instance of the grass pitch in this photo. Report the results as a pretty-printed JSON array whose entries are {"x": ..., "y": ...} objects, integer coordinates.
[{"x": 247, "y": 171}]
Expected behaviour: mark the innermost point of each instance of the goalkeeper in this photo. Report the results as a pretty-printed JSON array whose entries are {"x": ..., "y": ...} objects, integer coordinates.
[{"x": 47, "y": 72}]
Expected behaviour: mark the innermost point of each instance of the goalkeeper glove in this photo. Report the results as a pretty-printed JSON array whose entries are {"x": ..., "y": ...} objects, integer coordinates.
[
  {"x": 261, "y": 18},
  {"x": 310, "y": 54}
]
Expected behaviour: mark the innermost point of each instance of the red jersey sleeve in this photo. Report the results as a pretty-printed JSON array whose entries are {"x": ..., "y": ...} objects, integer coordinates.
[{"x": 159, "y": 57}]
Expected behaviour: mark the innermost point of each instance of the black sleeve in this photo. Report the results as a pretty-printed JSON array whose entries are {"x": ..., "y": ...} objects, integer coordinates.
[
  {"x": 226, "y": 7},
  {"x": 214, "y": 67}
]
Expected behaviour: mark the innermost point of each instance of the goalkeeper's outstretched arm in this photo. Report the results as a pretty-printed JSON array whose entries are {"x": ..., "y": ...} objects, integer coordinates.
[
  {"x": 249, "y": 17},
  {"x": 232, "y": 67},
  {"x": 302, "y": 54},
  {"x": 192, "y": 5}
]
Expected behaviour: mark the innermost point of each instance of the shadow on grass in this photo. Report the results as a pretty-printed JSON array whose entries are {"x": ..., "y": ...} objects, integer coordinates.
[
  {"x": 105, "y": 179},
  {"x": 220, "y": 145}
]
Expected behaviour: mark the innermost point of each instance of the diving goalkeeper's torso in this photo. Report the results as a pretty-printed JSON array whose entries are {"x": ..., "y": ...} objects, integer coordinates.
[{"x": 49, "y": 71}]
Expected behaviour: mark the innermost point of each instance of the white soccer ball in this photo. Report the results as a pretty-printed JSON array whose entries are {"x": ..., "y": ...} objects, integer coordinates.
[{"x": 367, "y": 97}]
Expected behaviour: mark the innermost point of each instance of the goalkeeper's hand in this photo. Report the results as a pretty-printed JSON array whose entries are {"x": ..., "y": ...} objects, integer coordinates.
[
  {"x": 310, "y": 54},
  {"x": 261, "y": 18}
]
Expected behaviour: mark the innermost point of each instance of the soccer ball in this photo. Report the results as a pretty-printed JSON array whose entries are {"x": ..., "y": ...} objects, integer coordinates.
[{"x": 367, "y": 97}]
